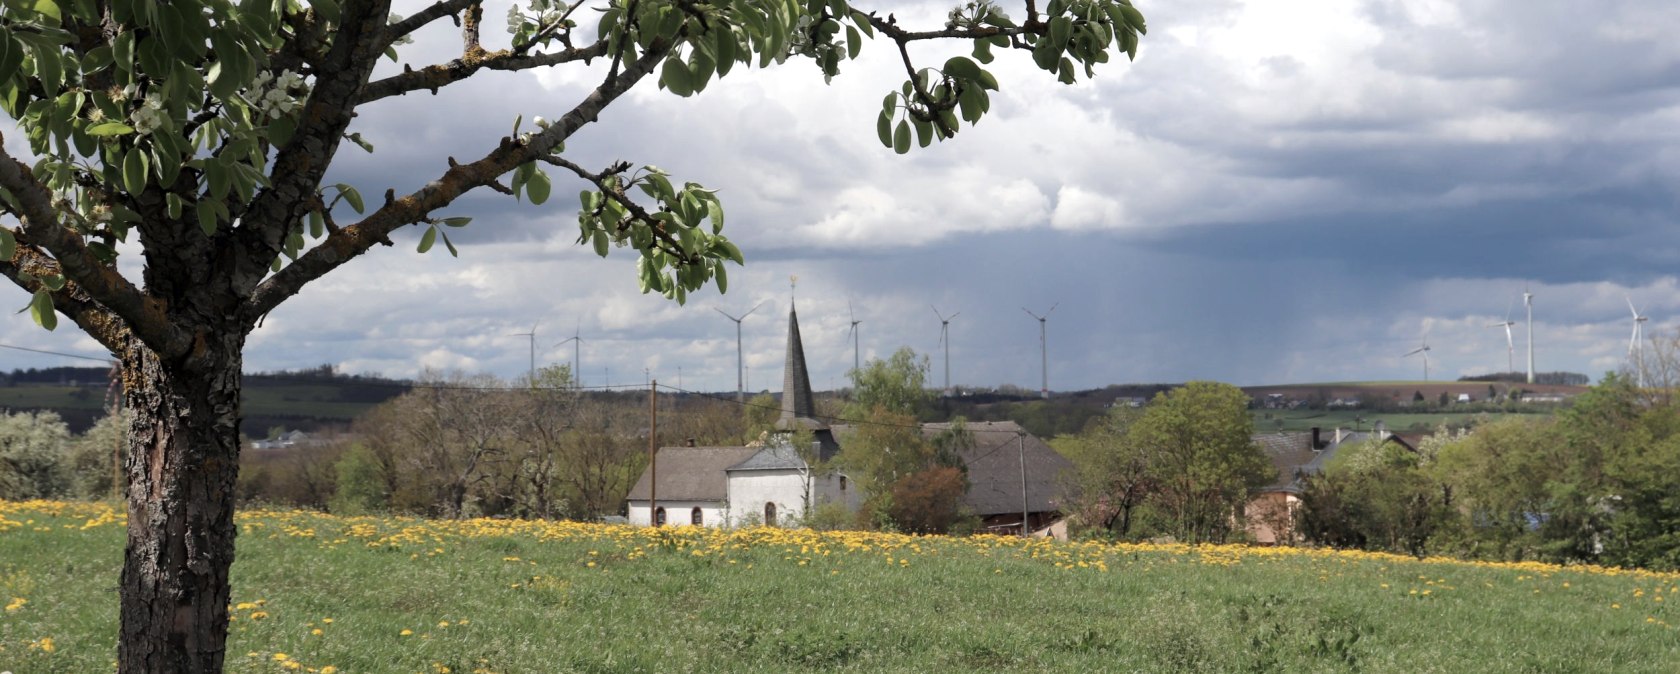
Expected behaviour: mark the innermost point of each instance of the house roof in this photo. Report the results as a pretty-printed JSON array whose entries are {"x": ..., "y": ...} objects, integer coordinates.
[
  {"x": 1294, "y": 458},
  {"x": 774, "y": 457},
  {"x": 692, "y": 473},
  {"x": 994, "y": 467}
]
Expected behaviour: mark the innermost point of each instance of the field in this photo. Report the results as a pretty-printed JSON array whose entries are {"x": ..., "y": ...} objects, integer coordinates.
[
  {"x": 316, "y": 593},
  {"x": 1301, "y": 420}
]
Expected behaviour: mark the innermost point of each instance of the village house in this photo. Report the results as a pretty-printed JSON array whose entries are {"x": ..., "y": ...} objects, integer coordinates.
[
  {"x": 772, "y": 483},
  {"x": 1270, "y": 513},
  {"x": 1012, "y": 475}
]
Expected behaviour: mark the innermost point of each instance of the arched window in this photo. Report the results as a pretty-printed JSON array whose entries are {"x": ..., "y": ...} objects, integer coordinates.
[
  {"x": 842, "y": 484},
  {"x": 659, "y": 517},
  {"x": 695, "y": 518},
  {"x": 769, "y": 514}
]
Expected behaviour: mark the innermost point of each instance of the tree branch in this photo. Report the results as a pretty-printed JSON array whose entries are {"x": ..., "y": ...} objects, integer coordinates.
[
  {"x": 435, "y": 77},
  {"x": 300, "y": 165},
  {"x": 436, "y": 11},
  {"x": 94, "y": 318},
  {"x": 350, "y": 242},
  {"x": 40, "y": 226},
  {"x": 666, "y": 241}
]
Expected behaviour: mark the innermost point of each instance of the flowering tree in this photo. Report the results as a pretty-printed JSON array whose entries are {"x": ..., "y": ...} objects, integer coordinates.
[{"x": 202, "y": 130}]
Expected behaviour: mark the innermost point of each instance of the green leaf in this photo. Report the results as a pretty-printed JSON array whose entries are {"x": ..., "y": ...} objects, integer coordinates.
[
  {"x": 458, "y": 221},
  {"x": 883, "y": 128},
  {"x": 50, "y": 10},
  {"x": 1134, "y": 18},
  {"x": 41, "y": 309},
  {"x": 901, "y": 137},
  {"x": 854, "y": 42},
  {"x": 134, "y": 171},
  {"x": 537, "y": 188},
  {"x": 726, "y": 48},
  {"x": 448, "y": 244},
  {"x": 351, "y": 196},
  {"x": 676, "y": 78},
  {"x": 722, "y": 276},
  {"x": 599, "y": 241},
  {"x": 109, "y": 129},
  {"x": 1061, "y": 28},
  {"x": 8, "y": 244},
  {"x": 317, "y": 224},
  {"x": 731, "y": 252},
  {"x": 961, "y": 67},
  {"x": 427, "y": 239},
  {"x": 207, "y": 216},
  {"x": 11, "y": 55},
  {"x": 983, "y": 50},
  {"x": 714, "y": 212}
]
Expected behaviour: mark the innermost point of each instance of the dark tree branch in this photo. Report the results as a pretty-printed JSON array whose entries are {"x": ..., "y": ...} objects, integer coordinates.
[
  {"x": 435, "y": 77},
  {"x": 350, "y": 242},
  {"x": 300, "y": 165},
  {"x": 425, "y": 16},
  {"x": 93, "y": 317},
  {"x": 40, "y": 226}
]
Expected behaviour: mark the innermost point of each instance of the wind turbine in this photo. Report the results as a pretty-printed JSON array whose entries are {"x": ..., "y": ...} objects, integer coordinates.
[
  {"x": 577, "y": 343},
  {"x": 857, "y": 363},
  {"x": 1423, "y": 350},
  {"x": 533, "y": 337},
  {"x": 740, "y": 376},
  {"x": 1510, "y": 343},
  {"x": 1043, "y": 348},
  {"x": 1636, "y": 345},
  {"x": 945, "y": 340},
  {"x": 1528, "y": 303}
]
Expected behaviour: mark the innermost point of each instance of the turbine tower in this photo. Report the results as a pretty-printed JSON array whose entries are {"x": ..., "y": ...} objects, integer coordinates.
[
  {"x": 945, "y": 340},
  {"x": 1423, "y": 350},
  {"x": 740, "y": 376},
  {"x": 1043, "y": 349},
  {"x": 532, "y": 335},
  {"x": 1636, "y": 345},
  {"x": 1510, "y": 342},
  {"x": 577, "y": 343},
  {"x": 1528, "y": 303},
  {"x": 857, "y": 364}
]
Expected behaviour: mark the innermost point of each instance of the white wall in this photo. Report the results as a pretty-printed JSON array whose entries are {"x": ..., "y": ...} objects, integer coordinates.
[
  {"x": 678, "y": 513},
  {"x": 750, "y": 490}
]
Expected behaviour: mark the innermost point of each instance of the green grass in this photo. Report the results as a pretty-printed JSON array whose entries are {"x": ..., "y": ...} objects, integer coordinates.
[{"x": 537, "y": 597}]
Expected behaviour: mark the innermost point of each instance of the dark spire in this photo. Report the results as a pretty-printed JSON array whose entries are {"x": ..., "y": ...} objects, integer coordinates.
[{"x": 799, "y": 408}]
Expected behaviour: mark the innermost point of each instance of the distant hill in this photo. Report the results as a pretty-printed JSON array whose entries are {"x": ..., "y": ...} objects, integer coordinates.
[{"x": 305, "y": 400}]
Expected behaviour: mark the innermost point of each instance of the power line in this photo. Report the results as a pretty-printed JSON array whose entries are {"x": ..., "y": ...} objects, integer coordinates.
[{"x": 55, "y": 353}]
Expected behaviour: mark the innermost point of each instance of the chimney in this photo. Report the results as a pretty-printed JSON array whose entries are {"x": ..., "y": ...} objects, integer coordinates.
[
  {"x": 689, "y": 442},
  {"x": 1315, "y": 442}
]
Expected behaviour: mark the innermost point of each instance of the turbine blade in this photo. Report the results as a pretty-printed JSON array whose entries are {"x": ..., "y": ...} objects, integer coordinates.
[{"x": 1630, "y": 307}]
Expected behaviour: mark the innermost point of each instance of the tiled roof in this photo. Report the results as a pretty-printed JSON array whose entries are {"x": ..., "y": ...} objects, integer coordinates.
[{"x": 692, "y": 473}]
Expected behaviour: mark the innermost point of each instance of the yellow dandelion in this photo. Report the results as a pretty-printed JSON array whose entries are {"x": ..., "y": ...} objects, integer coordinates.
[
  {"x": 329, "y": 669},
  {"x": 317, "y": 631},
  {"x": 281, "y": 657},
  {"x": 259, "y": 615},
  {"x": 326, "y": 621},
  {"x": 405, "y": 633}
]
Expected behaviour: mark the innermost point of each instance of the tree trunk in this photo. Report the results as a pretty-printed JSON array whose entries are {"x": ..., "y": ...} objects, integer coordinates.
[{"x": 182, "y": 464}]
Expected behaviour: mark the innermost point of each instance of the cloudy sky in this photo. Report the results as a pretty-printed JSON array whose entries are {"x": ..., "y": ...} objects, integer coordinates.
[{"x": 1272, "y": 192}]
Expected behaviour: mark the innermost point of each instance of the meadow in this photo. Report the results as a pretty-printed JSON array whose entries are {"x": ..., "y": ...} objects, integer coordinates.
[{"x": 326, "y": 594}]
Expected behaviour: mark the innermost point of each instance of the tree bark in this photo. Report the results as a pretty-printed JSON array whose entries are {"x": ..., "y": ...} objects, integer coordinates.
[{"x": 182, "y": 464}]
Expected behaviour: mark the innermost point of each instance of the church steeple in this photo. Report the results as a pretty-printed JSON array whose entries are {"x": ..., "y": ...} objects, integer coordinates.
[
  {"x": 799, "y": 404},
  {"x": 799, "y": 408}
]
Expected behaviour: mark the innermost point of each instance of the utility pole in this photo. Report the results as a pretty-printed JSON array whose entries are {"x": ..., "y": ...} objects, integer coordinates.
[
  {"x": 1021, "y": 450},
  {"x": 653, "y": 455}
]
